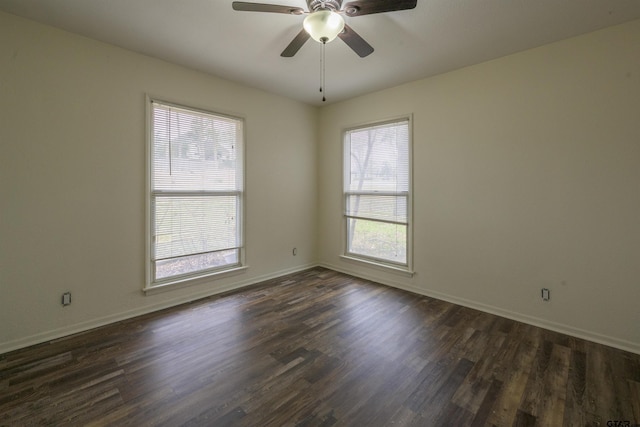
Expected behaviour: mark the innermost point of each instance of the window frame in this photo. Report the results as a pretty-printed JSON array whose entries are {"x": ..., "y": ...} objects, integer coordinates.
[
  {"x": 378, "y": 263},
  {"x": 151, "y": 283}
]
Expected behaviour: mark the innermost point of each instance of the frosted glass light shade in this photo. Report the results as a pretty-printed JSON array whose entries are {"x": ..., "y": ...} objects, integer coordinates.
[{"x": 323, "y": 25}]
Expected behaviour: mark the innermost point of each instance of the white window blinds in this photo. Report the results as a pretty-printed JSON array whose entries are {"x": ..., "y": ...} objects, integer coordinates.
[
  {"x": 196, "y": 191},
  {"x": 376, "y": 191}
]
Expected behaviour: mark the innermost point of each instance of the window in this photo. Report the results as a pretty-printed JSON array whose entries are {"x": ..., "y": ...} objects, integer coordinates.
[
  {"x": 377, "y": 198},
  {"x": 195, "y": 193}
]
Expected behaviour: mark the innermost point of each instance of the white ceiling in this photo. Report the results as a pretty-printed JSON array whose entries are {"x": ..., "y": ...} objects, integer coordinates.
[{"x": 435, "y": 37}]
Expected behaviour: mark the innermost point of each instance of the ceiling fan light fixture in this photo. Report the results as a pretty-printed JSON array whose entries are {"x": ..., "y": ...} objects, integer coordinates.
[{"x": 323, "y": 25}]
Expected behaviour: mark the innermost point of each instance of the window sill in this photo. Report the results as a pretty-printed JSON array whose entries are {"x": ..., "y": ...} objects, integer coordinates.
[
  {"x": 194, "y": 280},
  {"x": 379, "y": 266}
]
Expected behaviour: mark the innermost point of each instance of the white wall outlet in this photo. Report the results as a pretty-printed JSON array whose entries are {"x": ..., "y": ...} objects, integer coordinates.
[
  {"x": 66, "y": 298},
  {"x": 546, "y": 294}
]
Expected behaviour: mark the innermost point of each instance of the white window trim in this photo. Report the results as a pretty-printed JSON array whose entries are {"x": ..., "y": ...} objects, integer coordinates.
[
  {"x": 380, "y": 264},
  {"x": 180, "y": 281}
]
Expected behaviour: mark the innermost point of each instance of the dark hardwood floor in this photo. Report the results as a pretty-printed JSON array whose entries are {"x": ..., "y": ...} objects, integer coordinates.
[{"x": 319, "y": 348}]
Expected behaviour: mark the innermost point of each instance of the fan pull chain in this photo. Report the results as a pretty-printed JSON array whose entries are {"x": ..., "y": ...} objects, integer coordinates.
[
  {"x": 323, "y": 89},
  {"x": 321, "y": 62}
]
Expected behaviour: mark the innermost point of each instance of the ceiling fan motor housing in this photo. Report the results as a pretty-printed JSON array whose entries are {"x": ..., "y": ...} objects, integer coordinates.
[{"x": 333, "y": 5}]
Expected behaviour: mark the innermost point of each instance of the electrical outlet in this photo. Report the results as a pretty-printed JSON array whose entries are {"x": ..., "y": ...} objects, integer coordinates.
[
  {"x": 546, "y": 294},
  {"x": 66, "y": 298}
]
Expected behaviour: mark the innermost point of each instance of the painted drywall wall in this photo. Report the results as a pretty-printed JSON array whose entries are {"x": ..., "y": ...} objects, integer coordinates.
[
  {"x": 526, "y": 176},
  {"x": 72, "y": 180}
]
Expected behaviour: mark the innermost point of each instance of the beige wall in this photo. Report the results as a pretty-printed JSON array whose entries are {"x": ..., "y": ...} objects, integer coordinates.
[
  {"x": 72, "y": 179},
  {"x": 526, "y": 175}
]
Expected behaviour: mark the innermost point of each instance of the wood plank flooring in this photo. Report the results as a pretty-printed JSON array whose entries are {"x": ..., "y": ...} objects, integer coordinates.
[{"x": 319, "y": 348}]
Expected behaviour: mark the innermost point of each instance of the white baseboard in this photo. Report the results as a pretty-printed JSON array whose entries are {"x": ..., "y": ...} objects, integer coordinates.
[
  {"x": 105, "y": 320},
  {"x": 58, "y": 333},
  {"x": 531, "y": 320}
]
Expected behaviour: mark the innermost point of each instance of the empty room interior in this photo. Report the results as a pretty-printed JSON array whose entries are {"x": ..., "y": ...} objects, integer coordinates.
[{"x": 233, "y": 213}]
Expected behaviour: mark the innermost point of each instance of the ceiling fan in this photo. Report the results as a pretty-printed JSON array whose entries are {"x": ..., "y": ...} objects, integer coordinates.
[{"x": 324, "y": 21}]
